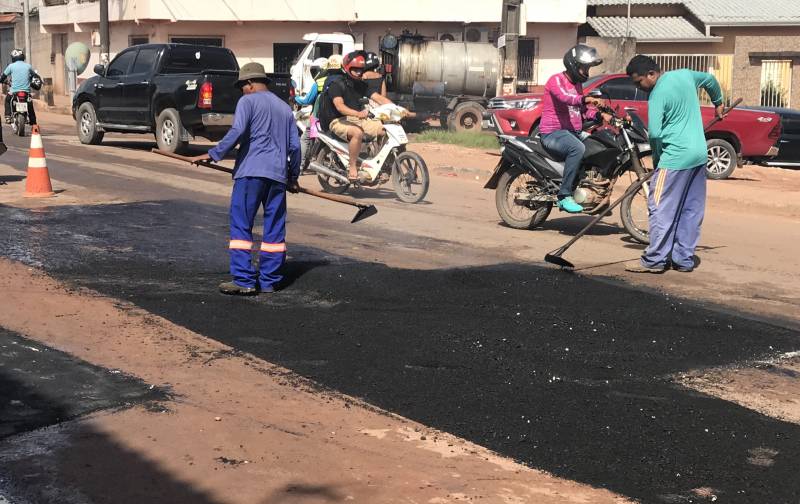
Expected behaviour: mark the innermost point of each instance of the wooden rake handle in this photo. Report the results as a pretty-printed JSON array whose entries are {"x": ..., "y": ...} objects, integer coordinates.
[{"x": 214, "y": 166}]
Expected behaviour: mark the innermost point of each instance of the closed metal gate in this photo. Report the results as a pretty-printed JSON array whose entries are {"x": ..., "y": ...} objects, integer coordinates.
[
  {"x": 718, "y": 65},
  {"x": 776, "y": 83},
  {"x": 6, "y": 46}
]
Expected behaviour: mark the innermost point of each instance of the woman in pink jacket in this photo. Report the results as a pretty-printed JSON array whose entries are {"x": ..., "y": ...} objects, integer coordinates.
[{"x": 563, "y": 113}]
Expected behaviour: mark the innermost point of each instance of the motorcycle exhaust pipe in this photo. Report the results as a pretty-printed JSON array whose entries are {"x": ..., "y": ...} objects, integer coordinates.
[{"x": 324, "y": 170}]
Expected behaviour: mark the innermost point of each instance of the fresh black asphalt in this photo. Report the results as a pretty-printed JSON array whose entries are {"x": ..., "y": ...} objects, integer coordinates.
[
  {"x": 558, "y": 371},
  {"x": 41, "y": 386}
]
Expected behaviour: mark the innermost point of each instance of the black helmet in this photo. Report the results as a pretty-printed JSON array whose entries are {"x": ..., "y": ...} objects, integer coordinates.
[
  {"x": 578, "y": 60},
  {"x": 17, "y": 55},
  {"x": 372, "y": 61}
]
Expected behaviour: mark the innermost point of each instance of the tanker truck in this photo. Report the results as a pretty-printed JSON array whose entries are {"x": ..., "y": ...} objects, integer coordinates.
[{"x": 449, "y": 80}]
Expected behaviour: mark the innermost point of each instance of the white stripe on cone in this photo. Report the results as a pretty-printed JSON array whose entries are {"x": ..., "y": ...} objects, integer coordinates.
[
  {"x": 37, "y": 162},
  {"x": 36, "y": 141}
]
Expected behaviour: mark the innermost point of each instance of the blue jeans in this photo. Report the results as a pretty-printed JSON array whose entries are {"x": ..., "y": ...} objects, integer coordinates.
[
  {"x": 677, "y": 204},
  {"x": 568, "y": 145}
]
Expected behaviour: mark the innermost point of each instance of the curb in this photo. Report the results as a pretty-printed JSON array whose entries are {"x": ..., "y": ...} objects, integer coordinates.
[{"x": 53, "y": 109}]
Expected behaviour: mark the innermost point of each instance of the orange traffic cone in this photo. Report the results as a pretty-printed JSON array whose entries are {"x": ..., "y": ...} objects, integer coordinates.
[{"x": 37, "y": 184}]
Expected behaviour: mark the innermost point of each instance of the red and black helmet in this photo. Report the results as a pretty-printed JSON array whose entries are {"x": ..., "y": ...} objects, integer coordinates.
[
  {"x": 355, "y": 60},
  {"x": 371, "y": 61}
]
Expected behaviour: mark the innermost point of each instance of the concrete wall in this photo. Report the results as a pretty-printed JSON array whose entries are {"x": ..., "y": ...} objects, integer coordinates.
[
  {"x": 747, "y": 70},
  {"x": 40, "y": 46},
  {"x": 554, "y": 41},
  {"x": 615, "y": 51},
  {"x": 462, "y": 11}
]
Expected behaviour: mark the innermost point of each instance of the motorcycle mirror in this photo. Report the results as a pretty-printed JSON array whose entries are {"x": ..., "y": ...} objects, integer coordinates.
[{"x": 596, "y": 93}]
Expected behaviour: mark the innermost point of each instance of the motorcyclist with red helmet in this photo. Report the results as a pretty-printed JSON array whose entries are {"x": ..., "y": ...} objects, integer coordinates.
[{"x": 342, "y": 113}]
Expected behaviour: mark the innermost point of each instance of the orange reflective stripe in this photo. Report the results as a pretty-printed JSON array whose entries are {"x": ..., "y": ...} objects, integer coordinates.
[
  {"x": 240, "y": 245},
  {"x": 273, "y": 247}
]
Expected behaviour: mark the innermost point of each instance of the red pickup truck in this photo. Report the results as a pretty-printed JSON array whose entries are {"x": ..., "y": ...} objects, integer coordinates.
[{"x": 744, "y": 134}]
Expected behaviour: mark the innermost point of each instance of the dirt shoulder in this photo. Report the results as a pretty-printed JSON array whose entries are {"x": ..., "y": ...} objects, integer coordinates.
[{"x": 239, "y": 430}]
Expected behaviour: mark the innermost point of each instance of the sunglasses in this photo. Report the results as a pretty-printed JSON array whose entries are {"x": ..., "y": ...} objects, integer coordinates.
[{"x": 357, "y": 71}]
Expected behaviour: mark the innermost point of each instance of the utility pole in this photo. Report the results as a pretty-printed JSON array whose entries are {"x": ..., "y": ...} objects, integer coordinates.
[
  {"x": 628, "y": 23},
  {"x": 105, "y": 42},
  {"x": 509, "y": 33},
  {"x": 26, "y": 13}
]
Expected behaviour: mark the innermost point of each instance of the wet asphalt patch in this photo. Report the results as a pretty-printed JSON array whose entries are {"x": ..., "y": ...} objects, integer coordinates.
[
  {"x": 560, "y": 372},
  {"x": 41, "y": 386}
]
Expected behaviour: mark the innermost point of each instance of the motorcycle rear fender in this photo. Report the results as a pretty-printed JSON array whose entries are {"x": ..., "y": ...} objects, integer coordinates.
[{"x": 499, "y": 170}]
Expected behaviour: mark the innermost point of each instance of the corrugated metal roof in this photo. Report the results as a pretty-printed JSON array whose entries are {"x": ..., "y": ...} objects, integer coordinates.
[
  {"x": 648, "y": 28},
  {"x": 723, "y": 12}
]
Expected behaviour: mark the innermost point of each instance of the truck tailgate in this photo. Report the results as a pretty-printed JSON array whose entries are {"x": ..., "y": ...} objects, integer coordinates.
[{"x": 226, "y": 94}]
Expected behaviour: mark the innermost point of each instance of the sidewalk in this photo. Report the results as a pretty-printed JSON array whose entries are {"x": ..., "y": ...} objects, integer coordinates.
[{"x": 62, "y": 105}]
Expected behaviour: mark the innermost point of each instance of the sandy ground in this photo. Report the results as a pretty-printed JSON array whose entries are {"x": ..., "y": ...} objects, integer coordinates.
[{"x": 344, "y": 450}]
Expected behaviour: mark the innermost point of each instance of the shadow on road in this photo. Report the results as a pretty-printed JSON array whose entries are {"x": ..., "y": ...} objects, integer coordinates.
[
  {"x": 303, "y": 492},
  {"x": 4, "y": 179},
  {"x": 71, "y": 461}
]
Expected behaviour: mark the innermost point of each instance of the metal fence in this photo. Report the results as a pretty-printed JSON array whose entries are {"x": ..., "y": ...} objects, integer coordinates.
[
  {"x": 776, "y": 83},
  {"x": 718, "y": 65}
]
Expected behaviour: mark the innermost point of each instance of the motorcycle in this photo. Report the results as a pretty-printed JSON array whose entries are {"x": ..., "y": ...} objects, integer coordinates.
[
  {"x": 527, "y": 177},
  {"x": 382, "y": 159},
  {"x": 20, "y": 103}
]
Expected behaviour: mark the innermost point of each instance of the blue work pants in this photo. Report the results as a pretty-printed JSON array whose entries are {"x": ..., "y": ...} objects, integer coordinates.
[
  {"x": 676, "y": 204},
  {"x": 250, "y": 194}
]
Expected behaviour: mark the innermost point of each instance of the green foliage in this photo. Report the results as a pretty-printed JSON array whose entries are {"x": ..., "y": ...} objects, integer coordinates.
[{"x": 464, "y": 139}]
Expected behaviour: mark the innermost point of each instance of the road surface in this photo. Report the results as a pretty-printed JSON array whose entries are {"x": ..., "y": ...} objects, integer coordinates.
[{"x": 424, "y": 355}]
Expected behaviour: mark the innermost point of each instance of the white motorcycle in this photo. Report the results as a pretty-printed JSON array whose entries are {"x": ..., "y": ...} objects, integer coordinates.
[{"x": 381, "y": 159}]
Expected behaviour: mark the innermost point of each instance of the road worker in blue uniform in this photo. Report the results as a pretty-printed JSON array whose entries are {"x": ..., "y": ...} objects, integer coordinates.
[{"x": 267, "y": 165}]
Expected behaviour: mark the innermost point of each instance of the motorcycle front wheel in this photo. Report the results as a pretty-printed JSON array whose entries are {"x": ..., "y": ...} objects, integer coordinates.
[
  {"x": 635, "y": 214},
  {"x": 327, "y": 158},
  {"x": 513, "y": 214},
  {"x": 410, "y": 177}
]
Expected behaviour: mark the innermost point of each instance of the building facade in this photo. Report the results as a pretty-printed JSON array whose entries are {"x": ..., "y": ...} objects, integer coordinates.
[
  {"x": 752, "y": 46},
  {"x": 271, "y": 31}
]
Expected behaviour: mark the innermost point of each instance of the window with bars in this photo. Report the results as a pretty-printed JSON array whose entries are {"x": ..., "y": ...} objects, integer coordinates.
[
  {"x": 527, "y": 61},
  {"x": 718, "y": 65},
  {"x": 776, "y": 83}
]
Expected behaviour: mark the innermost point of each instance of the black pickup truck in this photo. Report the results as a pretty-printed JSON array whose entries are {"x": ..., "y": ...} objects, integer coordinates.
[{"x": 177, "y": 91}]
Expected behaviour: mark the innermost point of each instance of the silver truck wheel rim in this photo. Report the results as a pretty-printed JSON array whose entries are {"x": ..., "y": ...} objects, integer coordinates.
[
  {"x": 168, "y": 131},
  {"x": 719, "y": 160},
  {"x": 86, "y": 122}
]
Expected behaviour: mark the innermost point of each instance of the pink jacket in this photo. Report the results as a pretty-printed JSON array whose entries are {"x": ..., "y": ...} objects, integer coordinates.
[{"x": 563, "y": 107}]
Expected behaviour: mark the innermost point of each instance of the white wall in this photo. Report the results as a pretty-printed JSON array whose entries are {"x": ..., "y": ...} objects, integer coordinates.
[
  {"x": 462, "y": 11},
  {"x": 554, "y": 40}
]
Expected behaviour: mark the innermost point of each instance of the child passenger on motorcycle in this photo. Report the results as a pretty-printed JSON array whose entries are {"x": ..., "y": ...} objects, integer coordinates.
[{"x": 564, "y": 110}]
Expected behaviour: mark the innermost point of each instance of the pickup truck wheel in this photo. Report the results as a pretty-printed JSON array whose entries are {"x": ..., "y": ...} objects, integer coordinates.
[
  {"x": 467, "y": 116},
  {"x": 88, "y": 133},
  {"x": 721, "y": 159},
  {"x": 168, "y": 132}
]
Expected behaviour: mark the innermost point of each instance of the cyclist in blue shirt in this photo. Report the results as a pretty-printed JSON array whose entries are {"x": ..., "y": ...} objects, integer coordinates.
[{"x": 21, "y": 74}]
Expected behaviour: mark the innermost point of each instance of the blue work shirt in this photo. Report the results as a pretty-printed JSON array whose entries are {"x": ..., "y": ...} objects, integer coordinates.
[
  {"x": 20, "y": 73},
  {"x": 266, "y": 133}
]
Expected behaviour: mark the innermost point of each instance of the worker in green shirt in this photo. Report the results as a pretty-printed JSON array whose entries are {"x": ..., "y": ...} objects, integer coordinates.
[{"x": 677, "y": 196}]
